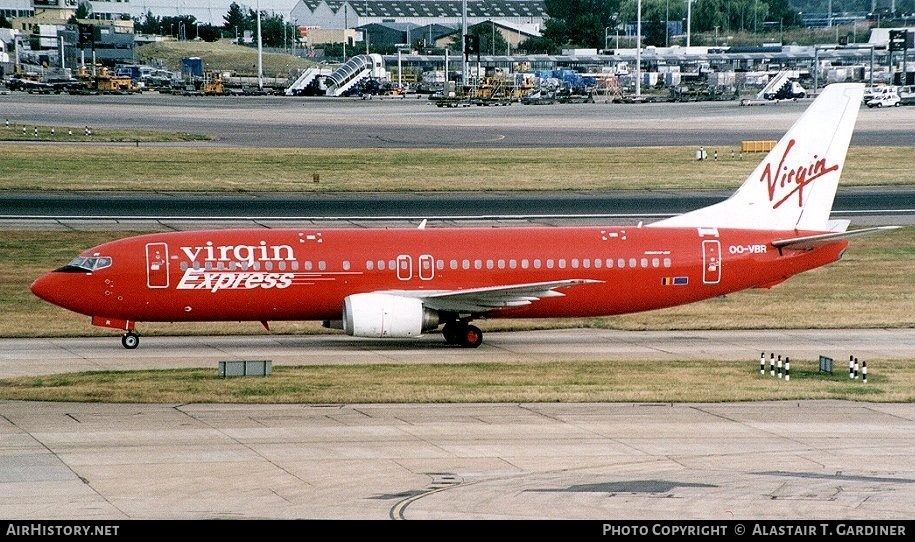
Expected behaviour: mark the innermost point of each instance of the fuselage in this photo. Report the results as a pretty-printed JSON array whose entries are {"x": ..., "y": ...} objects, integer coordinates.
[{"x": 305, "y": 274}]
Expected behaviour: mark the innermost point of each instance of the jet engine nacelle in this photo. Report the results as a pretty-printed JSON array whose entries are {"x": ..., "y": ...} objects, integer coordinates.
[{"x": 386, "y": 315}]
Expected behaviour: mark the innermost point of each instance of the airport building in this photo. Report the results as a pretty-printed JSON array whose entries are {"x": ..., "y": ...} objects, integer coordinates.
[{"x": 326, "y": 14}]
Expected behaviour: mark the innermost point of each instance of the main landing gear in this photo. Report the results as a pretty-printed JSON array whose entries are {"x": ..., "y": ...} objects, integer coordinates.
[
  {"x": 462, "y": 334},
  {"x": 130, "y": 340}
]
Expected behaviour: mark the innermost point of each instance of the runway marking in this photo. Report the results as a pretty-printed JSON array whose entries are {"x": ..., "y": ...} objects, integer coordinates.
[{"x": 445, "y": 481}]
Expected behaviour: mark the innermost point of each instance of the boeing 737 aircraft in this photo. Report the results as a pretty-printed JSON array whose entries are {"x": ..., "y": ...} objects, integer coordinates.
[{"x": 406, "y": 282}]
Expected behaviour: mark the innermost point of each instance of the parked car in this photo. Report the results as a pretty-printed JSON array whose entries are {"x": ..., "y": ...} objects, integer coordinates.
[
  {"x": 884, "y": 96},
  {"x": 907, "y": 95}
]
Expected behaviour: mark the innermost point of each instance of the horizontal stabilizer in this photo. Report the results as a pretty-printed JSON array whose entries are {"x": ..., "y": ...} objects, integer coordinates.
[{"x": 812, "y": 241}]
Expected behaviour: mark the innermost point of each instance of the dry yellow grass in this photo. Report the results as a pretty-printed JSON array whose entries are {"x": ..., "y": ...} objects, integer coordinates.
[
  {"x": 221, "y": 55},
  {"x": 100, "y": 167},
  {"x": 633, "y": 381}
]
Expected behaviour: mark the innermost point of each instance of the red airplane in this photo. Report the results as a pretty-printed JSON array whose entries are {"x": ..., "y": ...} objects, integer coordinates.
[{"x": 406, "y": 282}]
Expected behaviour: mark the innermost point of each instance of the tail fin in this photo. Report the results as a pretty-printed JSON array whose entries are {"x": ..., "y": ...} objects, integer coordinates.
[{"x": 794, "y": 186}]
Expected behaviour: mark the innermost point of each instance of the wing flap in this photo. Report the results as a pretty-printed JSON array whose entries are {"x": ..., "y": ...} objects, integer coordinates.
[{"x": 479, "y": 300}]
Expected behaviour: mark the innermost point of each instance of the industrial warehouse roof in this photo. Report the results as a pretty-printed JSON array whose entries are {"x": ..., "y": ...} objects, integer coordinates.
[
  {"x": 799, "y": 53},
  {"x": 436, "y": 8}
]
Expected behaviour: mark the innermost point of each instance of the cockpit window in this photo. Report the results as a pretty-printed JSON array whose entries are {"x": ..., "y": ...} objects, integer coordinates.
[{"x": 93, "y": 263}]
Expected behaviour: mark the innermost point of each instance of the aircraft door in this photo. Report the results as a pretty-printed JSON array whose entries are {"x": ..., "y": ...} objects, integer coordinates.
[
  {"x": 157, "y": 265},
  {"x": 426, "y": 267},
  {"x": 404, "y": 267},
  {"x": 711, "y": 262}
]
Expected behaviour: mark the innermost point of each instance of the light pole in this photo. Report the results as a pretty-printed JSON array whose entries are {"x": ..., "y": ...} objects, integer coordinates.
[
  {"x": 606, "y": 28},
  {"x": 689, "y": 19},
  {"x": 638, "y": 51},
  {"x": 260, "y": 50},
  {"x": 465, "y": 73}
]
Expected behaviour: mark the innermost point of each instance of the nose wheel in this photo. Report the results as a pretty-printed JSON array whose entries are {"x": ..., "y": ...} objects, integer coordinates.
[{"x": 130, "y": 340}]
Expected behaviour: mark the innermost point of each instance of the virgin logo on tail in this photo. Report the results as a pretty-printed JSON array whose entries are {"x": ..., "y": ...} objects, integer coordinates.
[{"x": 794, "y": 180}]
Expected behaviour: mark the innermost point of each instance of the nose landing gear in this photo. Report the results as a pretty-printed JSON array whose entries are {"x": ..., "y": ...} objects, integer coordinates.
[{"x": 130, "y": 340}]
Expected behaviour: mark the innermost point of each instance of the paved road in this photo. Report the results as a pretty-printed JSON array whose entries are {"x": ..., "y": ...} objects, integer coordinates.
[
  {"x": 273, "y": 121},
  {"x": 764, "y": 460},
  {"x": 176, "y": 211},
  {"x": 20, "y": 357}
]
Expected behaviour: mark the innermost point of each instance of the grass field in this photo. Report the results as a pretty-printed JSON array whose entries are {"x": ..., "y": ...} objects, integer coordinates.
[
  {"x": 586, "y": 381},
  {"x": 129, "y": 168}
]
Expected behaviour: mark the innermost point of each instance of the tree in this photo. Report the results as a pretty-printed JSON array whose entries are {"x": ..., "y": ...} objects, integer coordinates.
[
  {"x": 209, "y": 33},
  {"x": 491, "y": 41},
  {"x": 274, "y": 29},
  {"x": 580, "y": 23},
  {"x": 539, "y": 45},
  {"x": 83, "y": 11},
  {"x": 655, "y": 16},
  {"x": 4, "y": 22},
  {"x": 182, "y": 27},
  {"x": 149, "y": 25},
  {"x": 235, "y": 20}
]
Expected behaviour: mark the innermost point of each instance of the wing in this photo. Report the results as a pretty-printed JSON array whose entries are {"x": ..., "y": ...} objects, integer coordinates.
[{"x": 479, "y": 300}]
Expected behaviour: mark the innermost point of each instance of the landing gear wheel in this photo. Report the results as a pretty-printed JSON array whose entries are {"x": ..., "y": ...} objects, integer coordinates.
[
  {"x": 471, "y": 337},
  {"x": 130, "y": 340},
  {"x": 452, "y": 332}
]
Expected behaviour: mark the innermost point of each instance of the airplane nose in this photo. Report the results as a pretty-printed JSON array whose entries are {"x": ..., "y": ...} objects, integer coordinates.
[{"x": 48, "y": 287}]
